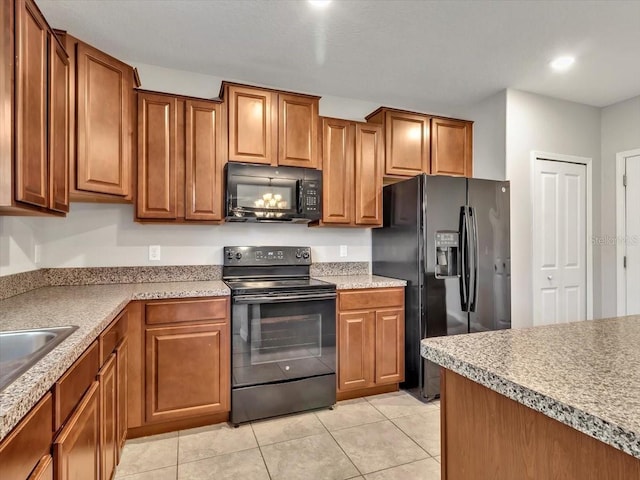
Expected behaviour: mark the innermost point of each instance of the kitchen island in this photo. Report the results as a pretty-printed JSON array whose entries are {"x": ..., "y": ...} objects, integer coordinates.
[{"x": 558, "y": 401}]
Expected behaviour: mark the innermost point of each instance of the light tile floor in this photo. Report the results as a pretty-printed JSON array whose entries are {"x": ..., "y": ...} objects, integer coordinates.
[{"x": 385, "y": 437}]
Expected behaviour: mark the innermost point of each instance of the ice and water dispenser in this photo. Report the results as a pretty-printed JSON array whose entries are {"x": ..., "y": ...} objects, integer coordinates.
[{"x": 447, "y": 254}]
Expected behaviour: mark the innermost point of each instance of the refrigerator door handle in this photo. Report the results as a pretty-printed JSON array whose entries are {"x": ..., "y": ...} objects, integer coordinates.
[
  {"x": 475, "y": 255},
  {"x": 464, "y": 237}
]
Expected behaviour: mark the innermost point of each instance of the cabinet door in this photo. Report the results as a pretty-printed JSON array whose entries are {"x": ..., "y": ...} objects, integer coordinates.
[
  {"x": 58, "y": 128},
  {"x": 44, "y": 469},
  {"x": 252, "y": 125},
  {"x": 389, "y": 346},
  {"x": 77, "y": 448},
  {"x": 203, "y": 168},
  {"x": 337, "y": 171},
  {"x": 25, "y": 445},
  {"x": 451, "y": 147},
  {"x": 108, "y": 418},
  {"x": 157, "y": 176},
  {"x": 406, "y": 144},
  {"x": 297, "y": 131},
  {"x": 368, "y": 174},
  {"x": 122, "y": 364},
  {"x": 32, "y": 37},
  {"x": 356, "y": 354},
  {"x": 187, "y": 371},
  {"x": 103, "y": 155}
]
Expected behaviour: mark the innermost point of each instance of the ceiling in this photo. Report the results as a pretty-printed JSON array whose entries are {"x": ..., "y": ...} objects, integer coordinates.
[{"x": 395, "y": 52}]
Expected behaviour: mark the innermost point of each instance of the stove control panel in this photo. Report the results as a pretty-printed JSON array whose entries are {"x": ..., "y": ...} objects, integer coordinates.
[{"x": 252, "y": 256}]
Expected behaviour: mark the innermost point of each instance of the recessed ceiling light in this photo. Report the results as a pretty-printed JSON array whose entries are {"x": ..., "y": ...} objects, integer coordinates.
[
  {"x": 562, "y": 63},
  {"x": 320, "y": 3}
]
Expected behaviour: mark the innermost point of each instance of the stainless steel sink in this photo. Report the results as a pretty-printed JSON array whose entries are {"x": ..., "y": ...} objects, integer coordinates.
[{"x": 21, "y": 349}]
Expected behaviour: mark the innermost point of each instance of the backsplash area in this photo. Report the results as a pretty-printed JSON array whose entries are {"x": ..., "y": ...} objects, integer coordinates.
[{"x": 18, "y": 283}]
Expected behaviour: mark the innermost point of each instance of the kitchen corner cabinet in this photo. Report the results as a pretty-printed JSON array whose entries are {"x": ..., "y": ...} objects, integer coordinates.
[
  {"x": 352, "y": 156},
  {"x": 417, "y": 143},
  {"x": 370, "y": 340},
  {"x": 34, "y": 99},
  {"x": 187, "y": 367},
  {"x": 101, "y": 124},
  {"x": 271, "y": 127},
  {"x": 180, "y": 159}
]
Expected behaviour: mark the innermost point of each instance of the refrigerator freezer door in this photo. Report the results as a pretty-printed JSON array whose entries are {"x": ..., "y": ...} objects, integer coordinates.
[
  {"x": 491, "y": 304},
  {"x": 443, "y": 314},
  {"x": 396, "y": 253}
]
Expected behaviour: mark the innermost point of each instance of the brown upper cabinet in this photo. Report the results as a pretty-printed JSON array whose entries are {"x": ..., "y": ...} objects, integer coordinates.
[
  {"x": 33, "y": 113},
  {"x": 418, "y": 143},
  {"x": 451, "y": 147},
  {"x": 352, "y": 156},
  {"x": 271, "y": 127},
  {"x": 180, "y": 159},
  {"x": 101, "y": 124}
]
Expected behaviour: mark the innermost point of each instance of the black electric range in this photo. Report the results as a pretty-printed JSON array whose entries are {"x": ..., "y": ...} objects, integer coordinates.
[{"x": 283, "y": 333}]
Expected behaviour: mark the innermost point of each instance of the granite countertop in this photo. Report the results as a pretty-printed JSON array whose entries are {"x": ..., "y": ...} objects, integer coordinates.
[
  {"x": 350, "y": 282},
  {"x": 92, "y": 308},
  {"x": 584, "y": 374}
]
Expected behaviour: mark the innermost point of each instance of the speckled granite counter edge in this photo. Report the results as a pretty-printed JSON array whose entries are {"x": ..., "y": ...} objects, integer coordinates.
[
  {"x": 584, "y": 422},
  {"x": 18, "y": 283},
  {"x": 358, "y": 282},
  {"x": 23, "y": 393}
]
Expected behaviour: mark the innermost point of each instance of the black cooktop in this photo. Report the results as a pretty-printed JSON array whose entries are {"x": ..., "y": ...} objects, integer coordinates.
[{"x": 260, "y": 285}]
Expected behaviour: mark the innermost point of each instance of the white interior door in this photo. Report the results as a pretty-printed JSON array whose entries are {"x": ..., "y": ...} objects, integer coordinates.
[
  {"x": 632, "y": 214},
  {"x": 559, "y": 242}
]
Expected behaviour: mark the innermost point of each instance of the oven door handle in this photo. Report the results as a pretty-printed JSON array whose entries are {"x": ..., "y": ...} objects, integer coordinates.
[{"x": 253, "y": 299}]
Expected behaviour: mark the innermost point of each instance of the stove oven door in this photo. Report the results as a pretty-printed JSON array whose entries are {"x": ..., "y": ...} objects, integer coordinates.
[{"x": 283, "y": 337}]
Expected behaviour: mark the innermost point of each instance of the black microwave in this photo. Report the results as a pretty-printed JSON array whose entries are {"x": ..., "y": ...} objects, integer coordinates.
[{"x": 261, "y": 193}]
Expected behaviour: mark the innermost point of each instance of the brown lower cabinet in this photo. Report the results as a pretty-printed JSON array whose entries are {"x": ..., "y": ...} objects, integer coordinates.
[
  {"x": 23, "y": 448},
  {"x": 108, "y": 380},
  {"x": 122, "y": 366},
  {"x": 44, "y": 469},
  {"x": 187, "y": 366},
  {"x": 370, "y": 340},
  {"x": 76, "y": 450}
]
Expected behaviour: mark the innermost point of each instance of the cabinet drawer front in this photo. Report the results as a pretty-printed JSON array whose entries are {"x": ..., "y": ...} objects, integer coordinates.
[
  {"x": 187, "y": 311},
  {"x": 370, "y": 299},
  {"x": 68, "y": 390},
  {"x": 28, "y": 442},
  {"x": 112, "y": 335}
]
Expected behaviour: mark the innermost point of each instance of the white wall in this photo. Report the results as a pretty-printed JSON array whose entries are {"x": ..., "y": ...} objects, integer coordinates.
[
  {"x": 489, "y": 136},
  {"x": 18, "y": 243},
  {"x": 106, "y": 235},
  {"x": 620, "y": 132},
  {"x": 541, "y": 123}
]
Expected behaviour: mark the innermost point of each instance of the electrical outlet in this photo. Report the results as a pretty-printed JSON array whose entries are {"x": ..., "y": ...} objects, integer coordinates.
[
  {"x": 343, "y": 250},
  {"x": 154, "y": 253}
]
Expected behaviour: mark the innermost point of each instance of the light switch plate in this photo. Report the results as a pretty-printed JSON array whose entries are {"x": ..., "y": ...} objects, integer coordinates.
[
  {"x": 154, "y": 253},
  {"x": 343, "y": 250}
]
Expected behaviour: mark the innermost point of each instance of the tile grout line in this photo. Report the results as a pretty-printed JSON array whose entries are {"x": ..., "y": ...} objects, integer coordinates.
[
  {"x": 342, "y": 450},
  {"x": 401, "y": 465},
  {"x": 264, "y": 461},
  {"x": 178, "y": 455}
]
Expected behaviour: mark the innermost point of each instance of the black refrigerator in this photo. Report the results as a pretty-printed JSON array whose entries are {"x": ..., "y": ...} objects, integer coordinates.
[{"x": 448, "y": 237}]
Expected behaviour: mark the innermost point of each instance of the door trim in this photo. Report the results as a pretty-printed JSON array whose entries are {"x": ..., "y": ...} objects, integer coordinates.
[
  {"x": 587, "y": 162},
  {"x": 621, "y": 231}
]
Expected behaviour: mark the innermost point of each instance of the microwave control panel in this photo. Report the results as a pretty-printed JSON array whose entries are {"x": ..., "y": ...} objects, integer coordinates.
[{"x": 311, "y": 191}]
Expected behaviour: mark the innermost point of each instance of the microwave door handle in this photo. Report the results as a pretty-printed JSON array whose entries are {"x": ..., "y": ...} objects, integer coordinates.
[{"x": 299, "y": 194}]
